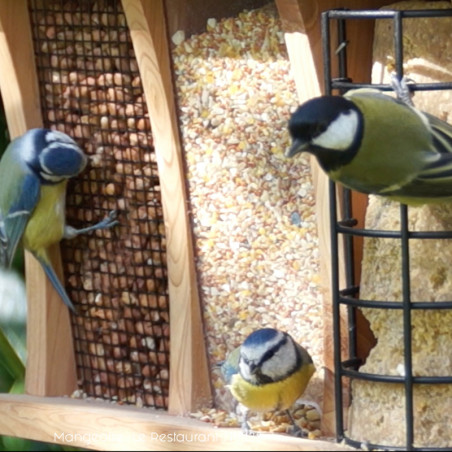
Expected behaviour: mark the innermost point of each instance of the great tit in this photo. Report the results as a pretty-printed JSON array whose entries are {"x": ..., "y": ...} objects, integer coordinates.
[
  {"x": 268, "y": 372},
  {"x": 376, "y": 144},
  {"x": 34, "y": 171}
]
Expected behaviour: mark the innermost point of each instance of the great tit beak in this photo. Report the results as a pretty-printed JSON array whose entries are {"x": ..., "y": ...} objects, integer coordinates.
[{"x": 297, "y": 147}]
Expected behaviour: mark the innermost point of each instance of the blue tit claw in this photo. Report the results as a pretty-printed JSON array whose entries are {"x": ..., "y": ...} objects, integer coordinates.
[
  {"x": 108, "y": 222},
  {"x": 246, "y": 430},
  {"x": 295, "y": 430}
]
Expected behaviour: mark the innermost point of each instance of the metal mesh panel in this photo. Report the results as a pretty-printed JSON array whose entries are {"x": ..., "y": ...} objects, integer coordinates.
[{"x": 91, "y": 89}]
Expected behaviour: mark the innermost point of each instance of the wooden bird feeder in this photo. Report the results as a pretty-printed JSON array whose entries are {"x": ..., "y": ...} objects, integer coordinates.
[{"x": 45, "y": 413}]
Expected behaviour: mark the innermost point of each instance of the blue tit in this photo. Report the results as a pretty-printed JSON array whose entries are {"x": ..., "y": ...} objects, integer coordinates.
[
  {"x": 34, "y": 171},
  {"x": 268, "y": 372},
  {"x": 376, "y": 144}
]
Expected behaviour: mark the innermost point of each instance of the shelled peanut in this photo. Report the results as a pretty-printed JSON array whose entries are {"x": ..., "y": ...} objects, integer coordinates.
[{"x": 91, "y": 89}]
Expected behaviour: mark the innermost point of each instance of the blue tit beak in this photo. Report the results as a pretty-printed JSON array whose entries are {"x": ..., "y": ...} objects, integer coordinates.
[{"x": 297, "y": 147}]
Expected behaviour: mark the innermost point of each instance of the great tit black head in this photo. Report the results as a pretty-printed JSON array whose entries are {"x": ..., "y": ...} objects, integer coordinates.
[{"x": 330, "y": 127}]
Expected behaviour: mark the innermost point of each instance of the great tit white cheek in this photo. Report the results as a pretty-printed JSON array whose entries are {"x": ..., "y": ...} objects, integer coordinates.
[{"x": 341, "y": 132}]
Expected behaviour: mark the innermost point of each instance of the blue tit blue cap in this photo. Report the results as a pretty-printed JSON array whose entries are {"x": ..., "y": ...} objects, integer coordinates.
[
  {"x": 61, "y": 156},
  {"x": 51, "y": 154},
  {"x": 261, "y": 336}
]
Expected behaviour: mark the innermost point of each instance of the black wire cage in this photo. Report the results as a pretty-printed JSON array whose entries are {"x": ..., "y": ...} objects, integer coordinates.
[{"x": 346, "y": 292}]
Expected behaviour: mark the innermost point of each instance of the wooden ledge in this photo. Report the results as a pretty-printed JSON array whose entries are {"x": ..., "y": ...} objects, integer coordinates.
[{"x": 105, "y": 426}]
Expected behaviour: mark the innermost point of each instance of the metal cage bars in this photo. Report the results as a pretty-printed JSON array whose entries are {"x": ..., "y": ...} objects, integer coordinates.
[{"x": 346, "y": 228}]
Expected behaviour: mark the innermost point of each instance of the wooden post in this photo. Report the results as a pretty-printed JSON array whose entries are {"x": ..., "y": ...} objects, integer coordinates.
[
  {"x": 301, "y": 24},
  {"x": 50, "y": 363},
  {"x": 189, "y": 376}
]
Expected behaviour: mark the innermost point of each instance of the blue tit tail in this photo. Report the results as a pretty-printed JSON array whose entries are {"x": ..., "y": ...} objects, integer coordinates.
[
  {"x": 56, "y": 283},
  {"x": 108, "y": 222}
]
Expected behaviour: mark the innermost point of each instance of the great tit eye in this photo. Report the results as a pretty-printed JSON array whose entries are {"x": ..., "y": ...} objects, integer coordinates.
[{"x": 320, "y": 128}]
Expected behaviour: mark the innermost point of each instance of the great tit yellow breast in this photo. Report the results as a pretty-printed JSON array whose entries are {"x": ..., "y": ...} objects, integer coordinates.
[
  {"x": 279, "y": 395},
  {"x": 46, "y": 224}
]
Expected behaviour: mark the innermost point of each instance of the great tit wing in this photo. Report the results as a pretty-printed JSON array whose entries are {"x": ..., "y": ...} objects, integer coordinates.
[
  {"x": 440, "y": 170},
  {"x": 435, "y": 179},
  {"x": 17, "y": 214}
]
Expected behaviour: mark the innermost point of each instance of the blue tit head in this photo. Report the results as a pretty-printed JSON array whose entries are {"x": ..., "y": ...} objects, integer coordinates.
[
  {"x": 51, "y": 155},
  {"x": 330, "y": 127},
  {"x": 268, "y": 355}
]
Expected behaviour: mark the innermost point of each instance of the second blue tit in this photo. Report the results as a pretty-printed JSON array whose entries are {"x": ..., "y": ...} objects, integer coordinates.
[
  {"x": 268, "y": 372},
  {"x": 34, "y": 172}
]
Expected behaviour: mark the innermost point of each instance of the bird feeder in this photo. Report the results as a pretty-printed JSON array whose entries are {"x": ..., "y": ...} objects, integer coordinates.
[{"x": 101, "y": 71}]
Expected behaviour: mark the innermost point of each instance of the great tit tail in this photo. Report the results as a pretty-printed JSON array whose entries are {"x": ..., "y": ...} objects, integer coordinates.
[{"x": 50, "y": 272}]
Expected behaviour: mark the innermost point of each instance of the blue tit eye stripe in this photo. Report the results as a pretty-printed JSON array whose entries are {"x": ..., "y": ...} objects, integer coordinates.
[{"x": 271, "y": 351}]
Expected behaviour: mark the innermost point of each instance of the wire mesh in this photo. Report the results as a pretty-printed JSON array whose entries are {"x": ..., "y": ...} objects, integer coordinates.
[
  {"x": 343, "y": 226},
  {"x": 90, "y": 88}
]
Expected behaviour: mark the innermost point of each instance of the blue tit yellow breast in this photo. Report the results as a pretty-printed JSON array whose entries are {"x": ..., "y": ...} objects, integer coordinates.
[
  {"x": 46, "y": 224},
  {"x": 279, "y": 395}
]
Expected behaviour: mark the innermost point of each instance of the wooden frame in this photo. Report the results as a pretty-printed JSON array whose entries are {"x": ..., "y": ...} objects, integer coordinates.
[
  {"x": 103, "y": 426},
  {"x": 40, "y": 414}
]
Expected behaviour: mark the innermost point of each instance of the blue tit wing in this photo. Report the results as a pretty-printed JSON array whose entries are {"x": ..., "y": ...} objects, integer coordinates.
[
  {"x": 230, "y": 366},
  {"x": 53, "y": 278},
  {"x": 19, "y": 194}
]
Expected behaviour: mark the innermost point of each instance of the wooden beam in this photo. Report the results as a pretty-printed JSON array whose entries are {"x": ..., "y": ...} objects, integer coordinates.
[
  {"x": 50, "y": 356},
  {"x": 189, "y": 376},
  {"x": 105, "y": 426}
]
